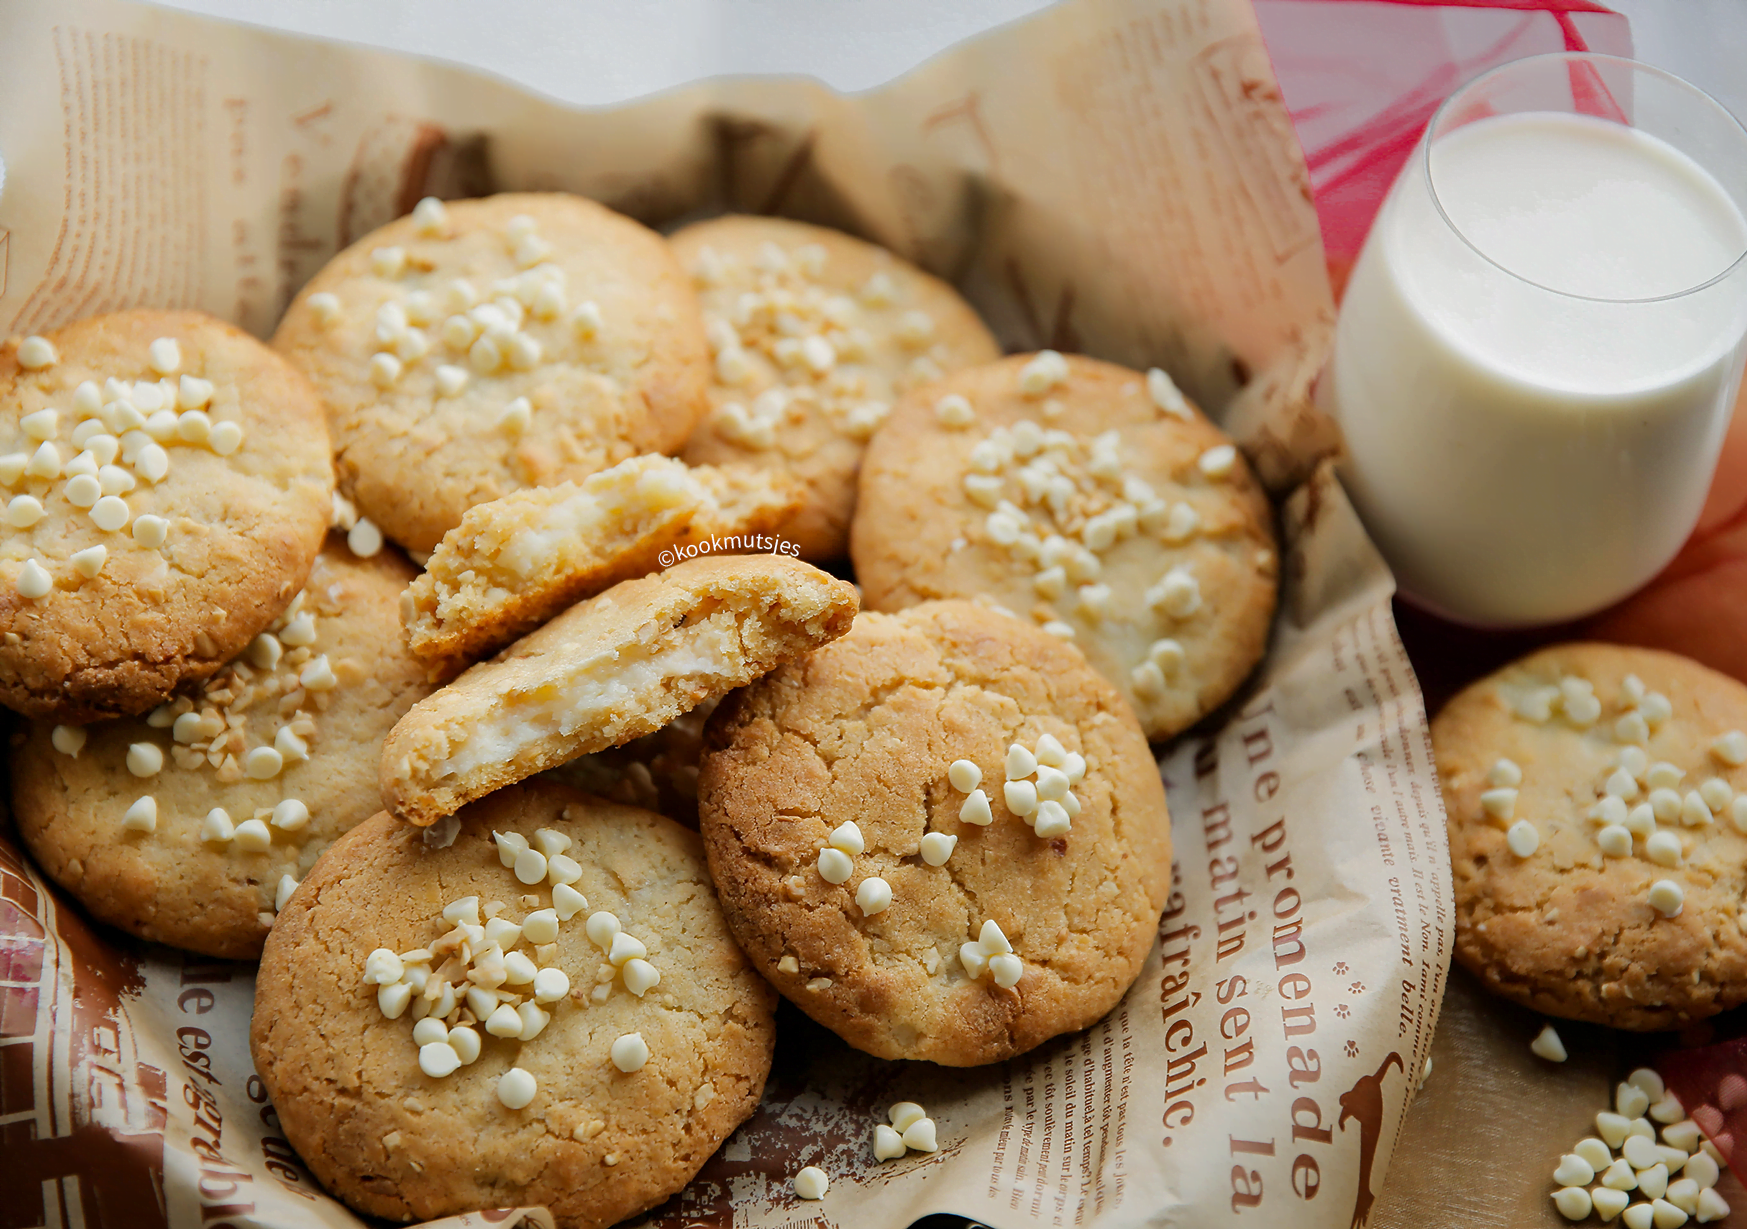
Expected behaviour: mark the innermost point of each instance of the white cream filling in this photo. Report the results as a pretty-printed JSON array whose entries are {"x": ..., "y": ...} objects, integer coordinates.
[
  {"x": 592, "y": 691},
  {"x": 604, "y": 501}
]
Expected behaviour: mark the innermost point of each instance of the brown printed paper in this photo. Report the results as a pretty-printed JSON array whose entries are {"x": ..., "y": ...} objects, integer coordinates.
[{"x": 1111, "y": 176}]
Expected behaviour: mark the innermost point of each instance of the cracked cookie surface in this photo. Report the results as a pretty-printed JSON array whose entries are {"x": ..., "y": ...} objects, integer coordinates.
[
  {"x": 1089, "y": 499},
  {"x": 815, "y": 334},
  {"x": 424, "y": 335},
  {"x": 866, "y": 729},
  {"x": 184, "y": 882},
  {"x": 596, "y": 1144},
  {"x": 613, "y": 668},
  {"x": 1570, "y": 929},
  {"x": 167, "y": 485}
]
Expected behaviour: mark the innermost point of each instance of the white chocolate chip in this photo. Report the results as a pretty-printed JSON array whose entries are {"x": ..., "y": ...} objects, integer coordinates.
[
  {"x": 1653, "y": 1182},
  {"x": 1632, "y": 728},
  {"x": 1640, "y": 1152},
  {"x": 45, "y": 462},
  {"x": 1702, "y": 1169},
  {"x": 974, "y": 959},
  {"x": 1694, "y": 810},
  {"x": 640, "y": 976},
  {"x": 1663, "y": 848},
  {"x": 1730, "y": 749},
  {"x": 874, "y": 895},
  {"x": 1598, "y": 1154},
  {"x": 383, "y": 968},
  {"x": 1611, "y": 1127},
  {"x": 630, "y": 1052},
  {"x": 33, "y": 581},
  {"x": 68, "y": 739},
  {"x": 23, "y": 511},
  {"x": 1630, "y": 1100},
  {"x": 602, "y": 928},
  {"x": 1548, "y": 1045},
  {"x": 1021, "y": 798},
  {"x": 1523, "y": 838},
  {"x": 1717, "y": 794},
  {"x": 954, "y": 411},
  {"x": 835, "y": 865},
  {"x": 1663, "y": 775},
  {"x": 1573, "y": 1170},
  {"x": 263, "y": 763},
  {"x": 888, "y": 1144},
  {"x": 392, "y": 1000},
  {"x": 465, "y": 1042},
  {"x": 290, "y": 815},
  {"x": 976, "y": 809},
  {"x": 142, "y": 816},
  {"x": 562, "y": 869},
  {"x": 1166, "y": 396},
  {"x": 252, "y": 836},
  {"x": 516, "y": 1088},
  {"x": 1005, "y": 970},
  {"x": 110, "y": 513},
  {"x": 152, "y": 464},
  {"x": 89, "y": 561},
  {"x": 1178, "y": 593},
  {"x": 1666, "y": 804},
  {"x": 920, "y": 1135},
  {"x": 195, "y": 427},
  {"x": 847, "y": 837},
  {"x": 218, "y": 828},
  {"x": 550, "y": 985},
  {"x": 145, "y": 759},
  {"x": 1667, "y": 1108},
  {"x": 226, "y": 438},
  {"x": 811, "y": 1183},
  {"x": 567, "y": 902},
  {"x": 287, "y": 885},
  {"x": 430, "y": 218},
  {"x": 164, "y": 356},
  {"x": 1020, "y": 762},
  {"x": 1053, "y": 819},
  {"x": 1641, "y": 820},
  {"x": 1042, "y": 373},
  {"x": 937, "y": 847},
  {"x": 41, "y": 425},
  {"x": 1573, "y": 1202},
  {"x": 1711, "y": 1206},
  {"x": 516, "y": 416},
  {"x": 385, "y": 369},
  {"x": 1218, "y": 461},
  {"x": 388, "y": 262},
  {"x": 1622, "y": 785},
  {"x": 1666, "y": 897},
  {"x": 964, "y": 775},
  {"x": 541, "y": 926},
  {"x": 36, "y": 353},
  {"x": 626, "y": 948},
  {"x": 1609, "y": 1203},
  {"x": 530, "y": 866},
  {"x": 1615, "y": 841}
]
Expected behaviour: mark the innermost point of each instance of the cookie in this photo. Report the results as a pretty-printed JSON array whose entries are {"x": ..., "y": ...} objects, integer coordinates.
[
  {"x": 167, "y": 485},
  {"x": 515, "y": 562},
  {"x": 613, "y": 668},
  {"x": 815, "y": 334},
  {"x": 470, "y": 350},
  {"x": 601, "y": 1075},
  {"x": 187, "y": 826},
  {"x": 942, "y": 836},
  {"x": 1597, "y": 806},
  {"x": 1089, "y": 499}
]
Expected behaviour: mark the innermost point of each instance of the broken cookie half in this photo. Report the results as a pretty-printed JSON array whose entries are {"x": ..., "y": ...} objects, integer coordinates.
[
  {"x": 608, "y": 670},
  {"x": 515, "y": 562}
]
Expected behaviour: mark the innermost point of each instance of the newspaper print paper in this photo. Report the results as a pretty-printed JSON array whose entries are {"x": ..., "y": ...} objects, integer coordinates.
[{"x": 1111, "y": 176}]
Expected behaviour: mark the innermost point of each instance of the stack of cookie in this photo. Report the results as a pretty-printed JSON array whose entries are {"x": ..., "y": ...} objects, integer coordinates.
[{"x": 935, "y": 825}]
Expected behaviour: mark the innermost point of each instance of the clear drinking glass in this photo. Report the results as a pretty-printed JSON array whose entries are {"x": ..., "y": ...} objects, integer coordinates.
[{"x": 1541, "y": 342}]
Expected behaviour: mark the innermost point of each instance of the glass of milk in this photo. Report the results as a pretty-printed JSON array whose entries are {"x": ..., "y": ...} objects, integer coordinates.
[{"x": 1540, "y": 346}]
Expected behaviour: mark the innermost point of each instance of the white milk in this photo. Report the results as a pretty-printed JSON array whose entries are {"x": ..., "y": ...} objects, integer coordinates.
[{"x": 1521, "y": 454}]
